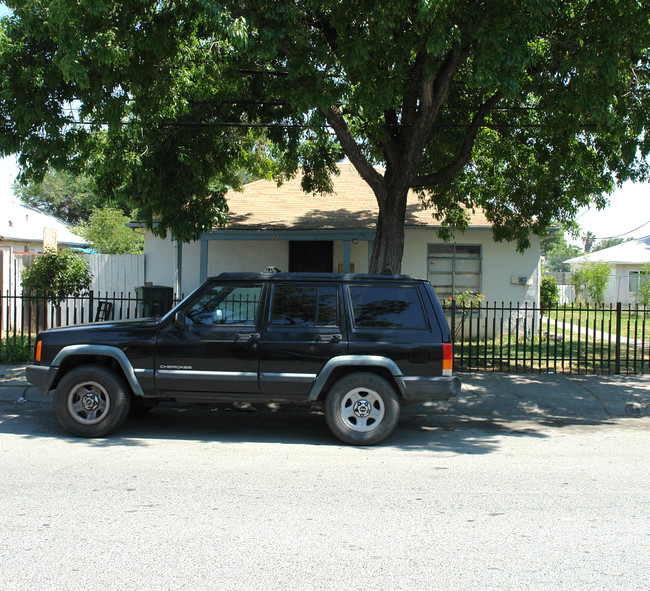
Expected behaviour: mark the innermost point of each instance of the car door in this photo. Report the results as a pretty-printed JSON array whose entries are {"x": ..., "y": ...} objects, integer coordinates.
[
  {"x": 303, "y": 329},
  {"x": 212, "y": 345}
]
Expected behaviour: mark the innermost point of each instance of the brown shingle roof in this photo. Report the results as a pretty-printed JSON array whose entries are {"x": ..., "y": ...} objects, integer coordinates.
[{"x": 352, "y": 205}]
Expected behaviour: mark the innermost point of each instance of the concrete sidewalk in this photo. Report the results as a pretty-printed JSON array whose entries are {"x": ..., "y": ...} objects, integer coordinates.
[{"x": 547, "y": 397}]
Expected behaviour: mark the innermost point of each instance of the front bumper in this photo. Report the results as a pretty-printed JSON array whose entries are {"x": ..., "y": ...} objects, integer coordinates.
[
  {"x": 41, "y": 376},
  {"x": 422, "y": 389}
]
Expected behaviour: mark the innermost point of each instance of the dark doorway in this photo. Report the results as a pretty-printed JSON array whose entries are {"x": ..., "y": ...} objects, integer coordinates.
[{"x": 306, "y": 256}]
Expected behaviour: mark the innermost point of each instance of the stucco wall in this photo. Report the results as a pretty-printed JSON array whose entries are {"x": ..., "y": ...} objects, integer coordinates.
[
  {"x": 500, "y": 261},
  {"x": 618, "y": 289},
  {"x": 159, "y": 260}
]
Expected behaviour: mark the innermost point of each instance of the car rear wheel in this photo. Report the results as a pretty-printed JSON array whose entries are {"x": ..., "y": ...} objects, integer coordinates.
[
  {"x": 362, "y": 409},
  {"x": 91, "y": 401}
]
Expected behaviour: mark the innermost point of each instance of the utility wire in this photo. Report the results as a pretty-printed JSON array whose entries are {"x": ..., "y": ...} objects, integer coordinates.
[{"x": 624, "y": 233}]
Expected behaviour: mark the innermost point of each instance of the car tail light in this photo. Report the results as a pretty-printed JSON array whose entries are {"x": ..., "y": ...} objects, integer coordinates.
[
  {"x": 37, "y": 353},
  {"x": 447, "y": 358}
]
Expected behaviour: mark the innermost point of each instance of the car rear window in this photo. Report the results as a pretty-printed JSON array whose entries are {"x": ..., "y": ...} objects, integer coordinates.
[{"x": 387, "y": 307}]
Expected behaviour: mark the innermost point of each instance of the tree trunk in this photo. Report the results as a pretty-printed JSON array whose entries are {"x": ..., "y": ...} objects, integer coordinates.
[{"x": 388, "y": 248}]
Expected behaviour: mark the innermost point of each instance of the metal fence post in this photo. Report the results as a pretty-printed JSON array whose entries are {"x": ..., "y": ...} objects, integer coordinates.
[{"x": 617, "y": 362}]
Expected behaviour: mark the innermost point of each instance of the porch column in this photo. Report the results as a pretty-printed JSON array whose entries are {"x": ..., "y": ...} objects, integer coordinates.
[
  {"x": 347, "y": 247},
  {"x": 203, "y": 260},
  {"x": 178, "y": 276}
]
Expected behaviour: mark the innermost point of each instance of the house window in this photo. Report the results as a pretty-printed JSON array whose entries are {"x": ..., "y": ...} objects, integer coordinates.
[{"x": 454, "y": 268}]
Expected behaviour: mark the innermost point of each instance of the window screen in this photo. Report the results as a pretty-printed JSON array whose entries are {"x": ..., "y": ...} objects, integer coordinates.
[
  {"x": 386, "y": 307},
  {"x": 454, "y": 268}
]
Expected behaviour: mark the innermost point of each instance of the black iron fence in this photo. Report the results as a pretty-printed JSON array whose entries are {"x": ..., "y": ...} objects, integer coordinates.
[
  {"x": 23, "y": 316},
  {"x": 511, "y": 338},
  {"x": 579, "y": 339}
]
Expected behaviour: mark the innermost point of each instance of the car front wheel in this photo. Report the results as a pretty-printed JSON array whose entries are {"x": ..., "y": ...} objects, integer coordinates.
[
  {"x": 91, "y": 401},
  {"x": 362, "y": 409}
]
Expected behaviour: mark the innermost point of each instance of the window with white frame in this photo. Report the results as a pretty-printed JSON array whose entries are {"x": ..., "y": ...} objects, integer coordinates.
[{"x": 454, "y": 268}]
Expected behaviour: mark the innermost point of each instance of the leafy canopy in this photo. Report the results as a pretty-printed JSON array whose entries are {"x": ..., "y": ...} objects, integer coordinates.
[
  {"x": 526, "y": 108},
  {"x": 63, "y": 194},
  {"x": 106, "y": 232}
]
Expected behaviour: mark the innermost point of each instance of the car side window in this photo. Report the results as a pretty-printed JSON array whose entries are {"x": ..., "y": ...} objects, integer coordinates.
[
  {"x": 304, "y": 305},
  {"x": 225, "y": 304},
  {"x": 397, "y": 307}
]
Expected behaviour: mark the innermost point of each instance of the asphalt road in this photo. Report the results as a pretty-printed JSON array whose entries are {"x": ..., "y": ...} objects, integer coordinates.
[{"x": 220, "y": 499}]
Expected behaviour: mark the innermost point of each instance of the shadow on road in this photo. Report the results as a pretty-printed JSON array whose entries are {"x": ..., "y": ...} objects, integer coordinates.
[{"x": 470, "y": 427}]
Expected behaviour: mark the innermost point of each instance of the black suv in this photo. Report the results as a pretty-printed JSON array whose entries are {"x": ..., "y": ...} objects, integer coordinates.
[{"x": 363, "y": 344}]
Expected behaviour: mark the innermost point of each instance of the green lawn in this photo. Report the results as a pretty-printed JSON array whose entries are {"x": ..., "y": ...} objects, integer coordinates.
[
  {"x": 633, "y": 324},
  {"x": 571, "y": 355}
]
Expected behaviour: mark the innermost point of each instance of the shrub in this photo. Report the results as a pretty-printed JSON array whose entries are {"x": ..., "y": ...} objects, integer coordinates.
[
  {"x": 549, "y": 293},
  {"x": 15, "y": 349},
  {"x": 57, "y": 275},
  {"x": 466, "y": 303},
  {"x": 642, "y": 293},
  {"x": 590, "y": 281}
]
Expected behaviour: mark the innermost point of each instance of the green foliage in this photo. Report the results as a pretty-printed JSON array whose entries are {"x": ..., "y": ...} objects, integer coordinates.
[
  {"x": 528, "y": 109},
  {"x": 590, "y": 281},
  {"x": 57, "y": 275},
  {"x": 548, "y": 293},
  {"x": 643, "y": 292},
  {"x": 608, "y": 243},
  {"x": 106, "y": 232},
  {"x": 467, "y": 302},
  {"x": 66, "y": 195},
  {"x": 61, "y": 194},
  {"x": 16, "y": 349},
  {"x": 469, "y": 299},
  {"x": 556, "y": 250}
]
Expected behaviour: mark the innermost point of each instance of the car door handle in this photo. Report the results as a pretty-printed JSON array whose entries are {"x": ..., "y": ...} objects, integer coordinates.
[
  {"x": 329, "y": 338},
  {"x": 249, "y": 337}
]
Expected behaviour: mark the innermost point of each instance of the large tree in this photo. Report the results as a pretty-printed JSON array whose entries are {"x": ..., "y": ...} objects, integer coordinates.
[{"x": 526, "y": 108}]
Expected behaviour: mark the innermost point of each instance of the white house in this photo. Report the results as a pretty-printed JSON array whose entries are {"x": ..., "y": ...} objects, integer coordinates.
[
  {"x": 294, "y": 231},
  {"x": 24, "y": 229},
  {"x": 627, "y": 260},
  {"x": 27, "y": 230}
]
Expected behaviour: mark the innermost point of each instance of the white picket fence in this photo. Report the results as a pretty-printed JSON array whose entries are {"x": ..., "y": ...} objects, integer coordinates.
[
  {"x": 117, "y": 274},
  {"x": 115, "y": 278}
]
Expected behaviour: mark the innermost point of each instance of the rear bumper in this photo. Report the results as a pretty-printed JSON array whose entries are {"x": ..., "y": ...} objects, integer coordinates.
[{"x": 421, "y": 389}]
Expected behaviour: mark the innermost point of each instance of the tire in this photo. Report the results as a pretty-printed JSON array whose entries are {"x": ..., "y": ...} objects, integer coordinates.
[
  {"x": 91, "y": 401},
  {"x": 362, "y": 409}
]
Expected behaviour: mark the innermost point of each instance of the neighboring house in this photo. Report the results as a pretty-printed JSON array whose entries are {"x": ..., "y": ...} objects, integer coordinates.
[
  {"x": 24, "y": 230},
  {"x": 627, "y": 260},
  {"x": 284, "y": 227}
]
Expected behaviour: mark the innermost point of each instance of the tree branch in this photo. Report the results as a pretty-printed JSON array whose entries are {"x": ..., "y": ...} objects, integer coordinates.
[
  {"x": 465, "y": 152},
  {"x": 391, "y": 146},
  {"x": 433, "y": 93},
  {"x": 351, "y": 148}
]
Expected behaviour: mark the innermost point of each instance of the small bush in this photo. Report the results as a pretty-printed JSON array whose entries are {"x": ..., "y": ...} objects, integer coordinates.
[
  {"x": 549, "y": 294},
  {"x": 16, "y": 350}
]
